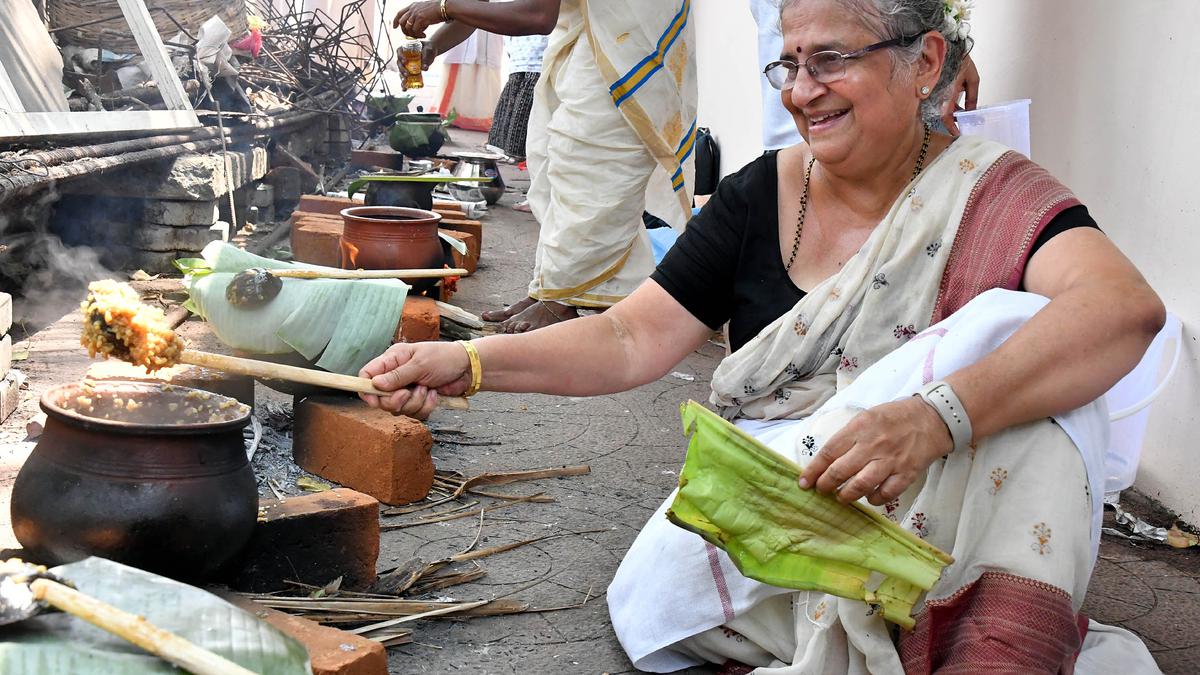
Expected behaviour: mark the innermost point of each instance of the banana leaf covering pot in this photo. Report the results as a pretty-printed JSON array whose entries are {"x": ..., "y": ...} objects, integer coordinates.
[{"x": 150, "y": 475}]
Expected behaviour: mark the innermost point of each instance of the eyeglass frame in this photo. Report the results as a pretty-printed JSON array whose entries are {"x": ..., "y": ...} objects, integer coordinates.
[{"x": 793, "y": 67}]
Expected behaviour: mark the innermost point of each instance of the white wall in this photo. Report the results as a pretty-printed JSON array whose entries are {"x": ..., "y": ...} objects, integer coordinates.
[
  {"x": 1114, "y": 116},
  {"x": 727, "y": 67}
]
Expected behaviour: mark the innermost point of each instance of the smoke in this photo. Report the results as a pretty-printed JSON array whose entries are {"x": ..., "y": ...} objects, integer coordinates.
[{"x": 47, "y": 278}]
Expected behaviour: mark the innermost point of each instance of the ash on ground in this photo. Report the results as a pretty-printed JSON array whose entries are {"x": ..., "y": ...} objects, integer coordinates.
[{"x": 274, "y": 469}]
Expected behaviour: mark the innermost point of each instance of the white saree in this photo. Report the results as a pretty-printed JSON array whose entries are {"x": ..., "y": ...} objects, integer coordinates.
[
  {"x": 1019, "y": 511},
  {"x": 610, "y": 135}
]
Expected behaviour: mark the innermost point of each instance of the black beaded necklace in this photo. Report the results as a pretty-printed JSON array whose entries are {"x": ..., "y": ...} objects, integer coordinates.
[{"x": 804, "y": 196}]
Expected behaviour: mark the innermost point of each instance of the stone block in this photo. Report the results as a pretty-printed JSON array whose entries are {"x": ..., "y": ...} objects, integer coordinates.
[
  {"x": 10, "y": 396},
  {"x": 343, "y": 440},
  {"x": 420, "y": 321},
  {"x": 180, "y": 213},
  {"x": 240, "y": 387},
  {"x": 151, "y": 237},
  {"x": 190, "y": 177},
  {"x": 330, "y": 651},
  {"x": 470, "y": 260},
  {"x": 6, "y": 313},
  {"x": 154, "y": 262},
  {"x": 5, "y": 355},
  {"x": 313, "y": 539},
  {"x": 316, "y": 241},
  {"x": 330, "y": 206}
]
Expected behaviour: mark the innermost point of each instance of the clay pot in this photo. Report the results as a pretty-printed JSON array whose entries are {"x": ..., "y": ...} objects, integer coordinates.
[
  {"x": 164, "y": 490},
  {"x": 392, "y": 237}
]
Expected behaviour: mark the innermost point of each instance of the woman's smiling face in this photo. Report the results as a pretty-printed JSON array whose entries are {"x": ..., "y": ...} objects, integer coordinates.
[{"x": 859, "y": 116}]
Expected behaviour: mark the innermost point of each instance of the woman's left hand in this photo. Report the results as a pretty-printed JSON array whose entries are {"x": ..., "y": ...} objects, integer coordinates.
[
  {"x": 415, "y": 18},
  {"x": 880, "y": 452}
]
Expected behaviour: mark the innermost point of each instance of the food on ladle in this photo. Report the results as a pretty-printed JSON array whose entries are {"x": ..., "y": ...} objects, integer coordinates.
[{"x": 116, "y": 323}]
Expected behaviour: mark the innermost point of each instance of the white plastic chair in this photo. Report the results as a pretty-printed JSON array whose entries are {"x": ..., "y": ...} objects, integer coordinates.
[{"x": 1128, "y": 404}]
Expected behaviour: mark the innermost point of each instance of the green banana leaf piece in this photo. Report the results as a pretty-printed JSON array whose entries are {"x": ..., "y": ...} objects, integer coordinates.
[
  {"x": 361, "y": 182},
  {"x": 742, "y": 496},
  {"x": 346, "y": 322},
  {"x": 54, "y": 644}
]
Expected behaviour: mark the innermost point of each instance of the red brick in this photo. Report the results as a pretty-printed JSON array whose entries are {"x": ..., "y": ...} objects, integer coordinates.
[
  {"x": 313, "y": 539},
  {"x": 240, "y": 387},
  {"x": 447, "y": 204},
  {"x": 463, "y": 225},
  {"x": 327, "y": 205},
  {"x": 470, "y": 261},
  {"x": 330, "y": 651},
  {"x": 343, "y": 440},
  {"x": 316, "y": 241},
  {"x": 421, "y": 321},
  {"x": 449, "y": 213}
]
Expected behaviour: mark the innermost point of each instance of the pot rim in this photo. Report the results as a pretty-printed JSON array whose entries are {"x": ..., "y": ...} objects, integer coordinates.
[
  {"x": 61, "y": 414},
  {"x": 403, "y": 213}
]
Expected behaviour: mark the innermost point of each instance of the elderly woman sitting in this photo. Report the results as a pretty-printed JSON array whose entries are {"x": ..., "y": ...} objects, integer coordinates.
[{"x": 823, "y": 258}]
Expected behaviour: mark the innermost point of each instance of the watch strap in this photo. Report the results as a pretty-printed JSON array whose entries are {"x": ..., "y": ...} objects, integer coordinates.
[{"x": 941, "y": 396}]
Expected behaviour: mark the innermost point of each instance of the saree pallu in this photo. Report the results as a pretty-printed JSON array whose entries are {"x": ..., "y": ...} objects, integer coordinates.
[
  {"x": 1018, "y": 511},
  {"x": 610, "y": 135}
]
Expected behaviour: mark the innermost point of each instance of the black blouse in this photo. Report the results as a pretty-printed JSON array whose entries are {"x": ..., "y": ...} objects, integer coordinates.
[{"x": 726, "y": 266}]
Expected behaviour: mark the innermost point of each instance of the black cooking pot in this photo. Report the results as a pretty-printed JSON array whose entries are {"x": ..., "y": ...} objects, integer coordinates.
[{"x": 150, "y": 475}]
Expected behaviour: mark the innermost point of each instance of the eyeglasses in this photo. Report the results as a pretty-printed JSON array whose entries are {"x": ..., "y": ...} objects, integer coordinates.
[{"x": 827, "y": 66}]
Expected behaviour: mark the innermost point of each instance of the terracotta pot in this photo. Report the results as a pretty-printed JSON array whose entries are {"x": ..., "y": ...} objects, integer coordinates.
[
  {"x": 164, "y": 490},
  {"x": 392, "y": 237}
]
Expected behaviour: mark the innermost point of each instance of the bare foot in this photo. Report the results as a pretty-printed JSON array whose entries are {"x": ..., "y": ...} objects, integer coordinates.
[
  {"x": 539, "y": 315},
  {"x": 508, "y": 312}
]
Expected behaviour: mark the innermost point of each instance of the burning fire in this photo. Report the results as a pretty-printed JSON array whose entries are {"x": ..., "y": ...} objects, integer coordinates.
[{"x": 349, "y": 255}]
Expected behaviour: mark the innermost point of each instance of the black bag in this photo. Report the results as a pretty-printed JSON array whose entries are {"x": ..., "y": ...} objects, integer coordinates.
[{"x": 708, "y": 162}]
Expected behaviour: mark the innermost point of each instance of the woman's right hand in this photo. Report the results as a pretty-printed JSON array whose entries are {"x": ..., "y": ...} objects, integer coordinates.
[{"x": 414, "y": 374}]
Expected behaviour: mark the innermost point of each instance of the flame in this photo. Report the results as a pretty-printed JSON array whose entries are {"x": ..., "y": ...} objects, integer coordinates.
[{"x": 349, "y": 256}]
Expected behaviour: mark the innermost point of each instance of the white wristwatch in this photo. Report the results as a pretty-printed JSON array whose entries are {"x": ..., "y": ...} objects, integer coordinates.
[{"x": 943, "y": 399}]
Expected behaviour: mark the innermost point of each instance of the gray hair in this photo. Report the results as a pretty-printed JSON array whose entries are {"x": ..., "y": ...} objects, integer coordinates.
[{"x": 888, "y": 19}]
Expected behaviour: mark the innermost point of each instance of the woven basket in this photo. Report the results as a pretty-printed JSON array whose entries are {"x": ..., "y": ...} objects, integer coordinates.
[{"x": 115, "y": 35}]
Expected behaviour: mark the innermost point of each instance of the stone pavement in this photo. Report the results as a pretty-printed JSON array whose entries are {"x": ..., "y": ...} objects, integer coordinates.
[{"x": 634, "y": 446}]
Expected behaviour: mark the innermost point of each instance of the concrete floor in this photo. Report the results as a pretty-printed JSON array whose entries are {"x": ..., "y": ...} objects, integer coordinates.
[{"x": 634, "y": 446}]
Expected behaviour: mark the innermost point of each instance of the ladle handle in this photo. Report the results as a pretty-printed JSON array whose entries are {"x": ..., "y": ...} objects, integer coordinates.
[
  {"x": 278, "y": 371},
  {"x": 136, "y": 629},
  {"x": 371, "y": 274}
]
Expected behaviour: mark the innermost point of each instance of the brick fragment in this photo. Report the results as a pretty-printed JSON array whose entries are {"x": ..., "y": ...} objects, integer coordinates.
[
  {"x": 386, "y": 159},
  {"x": 240, "y": 387},
  {"x": 316, "y": 241},
  {"x": 469, "y": 261},
  {"x": 420, "y": 321},
  {"x": 343, "y": 440},
  {"x": 330, "y": 651},
  {"x": 313, "y": 539}
]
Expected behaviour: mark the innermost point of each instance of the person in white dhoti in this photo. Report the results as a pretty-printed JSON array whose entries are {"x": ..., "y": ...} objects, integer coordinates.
[
  {"x": 924, "y": 322},
  {"x": 611, "y": 135}
]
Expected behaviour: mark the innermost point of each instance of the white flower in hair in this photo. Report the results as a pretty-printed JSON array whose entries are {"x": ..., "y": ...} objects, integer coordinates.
[{"x": 958, "y": 16}]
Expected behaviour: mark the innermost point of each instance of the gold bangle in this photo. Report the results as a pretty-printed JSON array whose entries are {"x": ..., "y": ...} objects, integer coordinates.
[
  {"x": 442, "y": 7},
  {"x": 476, "y": 368}
]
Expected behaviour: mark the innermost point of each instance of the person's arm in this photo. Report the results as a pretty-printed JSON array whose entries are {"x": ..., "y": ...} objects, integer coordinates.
[
  {"x": 1101, "y": 317},
  {"x": 447, "y": 37},
  {"x": 636, "y": 341},
  {"x": 519, "y": 17},
  {"x": 967, "y": 82}
]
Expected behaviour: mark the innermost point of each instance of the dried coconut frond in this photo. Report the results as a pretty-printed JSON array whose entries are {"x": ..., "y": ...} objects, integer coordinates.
[{"x": 117, "y": 324}]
